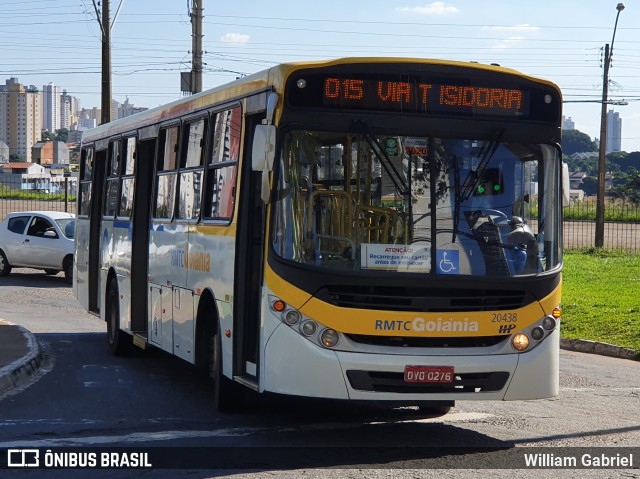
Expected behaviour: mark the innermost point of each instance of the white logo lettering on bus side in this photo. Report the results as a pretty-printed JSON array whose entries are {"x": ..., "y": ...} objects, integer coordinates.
[{"x": 196, "y": 261}]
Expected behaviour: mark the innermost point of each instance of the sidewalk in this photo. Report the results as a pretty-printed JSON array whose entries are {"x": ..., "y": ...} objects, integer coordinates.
[{"x": 21, "y": 356}]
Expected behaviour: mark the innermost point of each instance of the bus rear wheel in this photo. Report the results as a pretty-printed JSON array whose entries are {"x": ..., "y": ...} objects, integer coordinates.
[
  {"x": 119, "y": 342},
  {"x": 227, "y": 394}
]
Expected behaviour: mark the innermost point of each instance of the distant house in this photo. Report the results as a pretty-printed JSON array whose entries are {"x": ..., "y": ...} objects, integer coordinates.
[
  {"x": 50, "y": 152},
  {"x": 585, "y": 155},
  {"x": 21, "y": 169},
  {"x": 31, "y": 176},
  {"x": 575, "y": 179}
]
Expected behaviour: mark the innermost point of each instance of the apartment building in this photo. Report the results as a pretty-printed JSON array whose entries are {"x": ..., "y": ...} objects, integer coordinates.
[
  {"x": 51, "y": 107},
  {"x": 20, "y": 118},
  {"x": 614, "y": 132}
]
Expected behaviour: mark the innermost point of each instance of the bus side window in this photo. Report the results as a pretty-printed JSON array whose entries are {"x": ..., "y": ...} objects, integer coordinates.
[
  {"x": 127, "y": 184},
  {"x": 192, "y": 169},
  {"x": 86, "y": 177},
  {"x": 166, "y": 173},
  {"x": 112, "y": 194},
  {"x": 222, "y": 167}
]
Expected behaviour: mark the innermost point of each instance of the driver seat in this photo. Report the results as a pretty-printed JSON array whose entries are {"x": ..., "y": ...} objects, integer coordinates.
[{"x": 487, "y": 234}]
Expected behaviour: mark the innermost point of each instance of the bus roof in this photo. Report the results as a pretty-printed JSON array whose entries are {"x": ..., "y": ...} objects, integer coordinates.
[{"x": 274, "y": 77}]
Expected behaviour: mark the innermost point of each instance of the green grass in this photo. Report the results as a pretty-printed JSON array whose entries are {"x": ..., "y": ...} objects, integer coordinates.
[
  {"x": 601, "y": 297},
  {"x": 8, "y": 193}
]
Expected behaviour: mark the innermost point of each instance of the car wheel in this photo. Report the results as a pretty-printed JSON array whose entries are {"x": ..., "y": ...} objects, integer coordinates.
[
  {"x": 5, "y": 267},
  {"x": 119, "y": 342},
  {"x": 68, "y": 269},
  {"x": 50, "y": 272}
]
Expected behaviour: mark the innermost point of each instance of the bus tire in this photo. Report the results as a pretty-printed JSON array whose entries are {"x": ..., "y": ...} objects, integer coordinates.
[
  {"x": 5, "y": 267},
  {"x": 435, "y": 411},
  {"x": 117, "y": 339},
  {"x": 227, "y": 394}
]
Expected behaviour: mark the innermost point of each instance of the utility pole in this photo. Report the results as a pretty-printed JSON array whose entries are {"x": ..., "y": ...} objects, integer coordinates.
[
  {"x": 104, "y": 20},
  {"x": 196, "y": 46},
  {"x": 106, "y": 63},
  {"x": 602, "y": 153}
]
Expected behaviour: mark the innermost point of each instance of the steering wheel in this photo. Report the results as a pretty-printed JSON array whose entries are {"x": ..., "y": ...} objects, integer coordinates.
[{"x": 498, "y": 213}]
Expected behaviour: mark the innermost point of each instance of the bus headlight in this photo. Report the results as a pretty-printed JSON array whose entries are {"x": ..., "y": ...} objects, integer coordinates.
[
  {"x": 329, "y": 338},
  {"x": 291, "y": 317},
  {"x": 309, "y": 328},
  {"x": 537, "y": 333},
  {"x": 520, "y": 342},
  {"x": 318, "y": 333},
  {"x": 549, "y": 323}
]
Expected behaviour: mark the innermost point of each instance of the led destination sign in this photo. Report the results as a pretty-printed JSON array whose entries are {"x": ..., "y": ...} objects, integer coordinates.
[
  {"x": 394, "y": 95},
  {"x": 437, "y": 95}
]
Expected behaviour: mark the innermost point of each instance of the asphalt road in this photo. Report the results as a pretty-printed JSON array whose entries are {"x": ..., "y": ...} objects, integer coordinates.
[{"x": 85, "y": 397}]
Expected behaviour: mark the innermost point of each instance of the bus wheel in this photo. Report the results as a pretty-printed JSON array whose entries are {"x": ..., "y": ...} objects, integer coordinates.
[
  {"x": 227, "y": 394},
  {"x": 118, "y": 340},
  {"x": 435, "y": 411}
]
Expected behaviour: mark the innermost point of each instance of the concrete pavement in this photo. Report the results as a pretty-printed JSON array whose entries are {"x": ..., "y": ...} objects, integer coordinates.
[{"x": 21, "y": 356}]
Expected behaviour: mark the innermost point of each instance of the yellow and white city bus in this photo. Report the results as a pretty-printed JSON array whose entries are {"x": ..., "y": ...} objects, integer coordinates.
[{"x": 376, "y": 229}]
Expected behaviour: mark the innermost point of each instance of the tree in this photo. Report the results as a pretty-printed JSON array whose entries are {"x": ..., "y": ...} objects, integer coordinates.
[
  {"x": 574, "y": 141},
  {"x": 625, "y": 161},
  {"x": 588, "y": 165},
  {"x": 47, "y": 135},
  {"x": 589, "y": 185},
  {"x": 627, "y": 186},
  {"x": 62, "y": 135}
]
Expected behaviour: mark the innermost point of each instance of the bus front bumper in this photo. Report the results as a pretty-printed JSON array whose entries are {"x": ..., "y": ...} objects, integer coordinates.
[{"x": 296, "y": 366}]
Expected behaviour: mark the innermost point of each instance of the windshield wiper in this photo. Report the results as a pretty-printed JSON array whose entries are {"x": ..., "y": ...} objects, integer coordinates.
[{"x": 362, "y": 128}]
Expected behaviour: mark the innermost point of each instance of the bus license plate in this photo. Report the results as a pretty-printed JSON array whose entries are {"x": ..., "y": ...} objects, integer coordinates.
[{"x": 428, "y": 374}]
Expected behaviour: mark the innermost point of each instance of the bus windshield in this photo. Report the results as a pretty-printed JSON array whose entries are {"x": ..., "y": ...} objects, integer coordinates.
[{"x": 462, "y": 206}]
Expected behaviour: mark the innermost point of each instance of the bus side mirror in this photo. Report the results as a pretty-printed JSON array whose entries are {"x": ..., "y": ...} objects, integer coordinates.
[
  {"x": 263, "y": 153},
  {"x": 264, "y": 148}
]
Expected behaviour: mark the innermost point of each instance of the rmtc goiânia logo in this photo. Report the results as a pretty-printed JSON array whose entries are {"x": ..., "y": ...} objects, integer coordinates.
[{"x": 421, "y": 324}]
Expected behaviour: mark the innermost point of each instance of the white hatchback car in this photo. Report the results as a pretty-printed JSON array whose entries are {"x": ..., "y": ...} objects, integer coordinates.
[{"x": 37, "y": 239}]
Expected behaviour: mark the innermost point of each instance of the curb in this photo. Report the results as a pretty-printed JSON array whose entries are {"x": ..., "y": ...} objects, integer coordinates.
[
  {"x": 21, "y": 370},
  {"x": 603, "y": 349}
]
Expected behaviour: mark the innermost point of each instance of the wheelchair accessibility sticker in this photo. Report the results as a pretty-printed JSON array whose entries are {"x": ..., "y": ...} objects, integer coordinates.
[{"x": 448, "y": 261}]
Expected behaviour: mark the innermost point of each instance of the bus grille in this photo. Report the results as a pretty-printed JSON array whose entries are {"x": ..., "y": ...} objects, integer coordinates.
[
  {"x": 421, "y": 299},
  {"x": 428, "y": 342},
  {"x": 386, "y": 382}
]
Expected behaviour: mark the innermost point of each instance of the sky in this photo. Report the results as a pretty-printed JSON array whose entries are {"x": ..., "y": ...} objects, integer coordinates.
[{"x": 59, "y": 41}]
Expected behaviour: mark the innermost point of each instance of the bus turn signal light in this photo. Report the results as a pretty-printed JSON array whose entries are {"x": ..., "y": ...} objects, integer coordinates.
[{"x": 279, "y": 305}]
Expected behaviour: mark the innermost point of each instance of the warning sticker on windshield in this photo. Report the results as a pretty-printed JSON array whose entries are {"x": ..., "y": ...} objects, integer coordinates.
[{"x": 410, "y": 258}]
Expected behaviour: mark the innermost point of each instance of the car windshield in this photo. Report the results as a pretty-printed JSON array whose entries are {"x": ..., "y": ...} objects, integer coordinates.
[
  {"x": 363, "y": 202},
  {"x": 67, "y": 226}
]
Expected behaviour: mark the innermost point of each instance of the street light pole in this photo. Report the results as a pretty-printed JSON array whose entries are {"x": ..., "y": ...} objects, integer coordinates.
[{"x": 602, "y": 158}]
